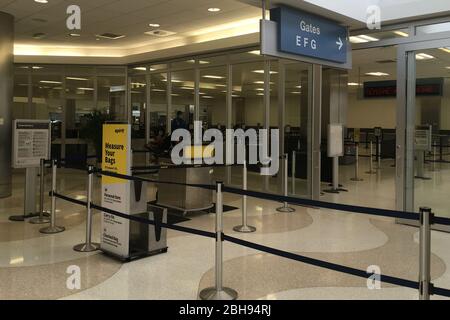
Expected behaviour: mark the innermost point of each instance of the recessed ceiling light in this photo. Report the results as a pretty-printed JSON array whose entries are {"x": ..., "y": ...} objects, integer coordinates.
[
  {"x": 50, "y": 82},
  {"x": 154, "y": 25},
  {"x": 401, "y": 34},
  {"x": 213, "y": 77},
  {"x": 76, "y": 79},
  {"x": 424, "y": 56},
  {"x": 213, "y": 9},
  {"x": 362, "y": 39},
  {"x": 41, "y": 1},
  {"x": 262, "y": 71},
  {"x": 377, "y": 74}
]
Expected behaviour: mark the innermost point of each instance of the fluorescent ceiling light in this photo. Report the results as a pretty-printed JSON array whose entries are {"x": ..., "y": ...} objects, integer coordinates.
[
  {"x": 74, "y": 34},
  {"x": 377, "y": 74},
  {"x": 296, "y": 92},
  {"x": 138, "y": 84},
  {"x": 261, "y": 82},
  {"x": 362, "y": 39},
  {"x": 208, "y": 97},
  {"x": 200, "y": 61},
  {"x": 86, "y": 89},
  {"x": 187, "y": 88},
  {"x": 158, "y": 90},
  {"x": 255, "y": 52},
  {"x": 76, "y": 79},
  {"x": 401, "y": 34},
  {"x": 445, "y": 49},
  {"x": 424, "y": 56},
  {"x": 36, "y": 67},
  {"x": 50, "y": 82},
  {"x": 353, "y": 84},
  {"x": 262, "y": 71},
  {"x": 214, "y": 9},
  {"x": 298, "y": 87},
  {"x": 140, "y": 68},
  {"x": 41, "y": 1},
  {"x": 154, "y": 25},
  {"x": 260, "y": 94},
  {"x": 213, "y": 77}
]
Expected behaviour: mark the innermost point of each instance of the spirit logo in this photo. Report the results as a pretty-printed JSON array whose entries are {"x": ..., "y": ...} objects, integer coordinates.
[{"x": 258, "y": 142}]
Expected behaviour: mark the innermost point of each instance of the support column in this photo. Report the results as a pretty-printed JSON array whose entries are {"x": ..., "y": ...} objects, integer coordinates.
[{"x": 6, "y": 100}]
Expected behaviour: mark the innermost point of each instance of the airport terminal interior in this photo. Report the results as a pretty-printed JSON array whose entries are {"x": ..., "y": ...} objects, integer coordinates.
[{"x": 153, "y": 65}]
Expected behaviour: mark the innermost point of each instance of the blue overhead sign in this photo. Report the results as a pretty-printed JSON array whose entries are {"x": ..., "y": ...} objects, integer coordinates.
[{"x": 305, "y": 34}]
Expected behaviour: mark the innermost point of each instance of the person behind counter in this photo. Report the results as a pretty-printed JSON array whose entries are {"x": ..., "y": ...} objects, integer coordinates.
[
  {"x": 178, "y": 122},
  {"x": 158, "y": 144}
]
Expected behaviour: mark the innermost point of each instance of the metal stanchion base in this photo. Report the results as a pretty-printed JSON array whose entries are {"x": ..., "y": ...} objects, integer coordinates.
[
  {"x": 244, "y": 229},
  {"x": 285, "y": 208},
  {"x": 38, "y": 220},
  {"x": 52, "y": 230},
  {"x": 85, "y": 247},
  {"x": 331, "y": 191},
  {"x": 214, "y": 294},
  {"x": 26, "y": 216}
]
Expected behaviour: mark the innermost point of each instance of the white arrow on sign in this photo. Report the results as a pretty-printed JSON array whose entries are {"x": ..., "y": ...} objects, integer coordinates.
[{"x": 340, "y": 43}]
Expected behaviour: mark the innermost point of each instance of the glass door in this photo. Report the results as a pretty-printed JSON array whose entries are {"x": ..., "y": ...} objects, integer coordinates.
[{"x": 426, "y": 179}]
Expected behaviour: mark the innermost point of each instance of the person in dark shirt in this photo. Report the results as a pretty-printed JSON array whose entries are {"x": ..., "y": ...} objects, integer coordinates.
[{"x": 178, "y": 122}]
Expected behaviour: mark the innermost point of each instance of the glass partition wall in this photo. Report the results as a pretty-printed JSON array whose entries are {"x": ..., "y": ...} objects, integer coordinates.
[
  {"x": 239, "y": 89},
  {"x": 68, "y": 95}
]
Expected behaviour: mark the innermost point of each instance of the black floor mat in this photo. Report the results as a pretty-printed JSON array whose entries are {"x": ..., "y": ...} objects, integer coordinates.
[
  {"x": 174, "y": 217},
  {"x": 225, "y": 209}
]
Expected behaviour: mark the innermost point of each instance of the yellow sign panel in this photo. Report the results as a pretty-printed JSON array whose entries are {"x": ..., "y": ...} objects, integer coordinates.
[
  {"x": 115, "y": 151},
  {"x": 198, "y": 152}
]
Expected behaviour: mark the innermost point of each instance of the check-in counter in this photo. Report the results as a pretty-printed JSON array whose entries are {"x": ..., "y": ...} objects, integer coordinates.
[{"x": 181, "y": 197}]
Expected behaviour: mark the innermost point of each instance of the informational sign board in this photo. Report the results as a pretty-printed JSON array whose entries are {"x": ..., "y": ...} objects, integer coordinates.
[
  {"x": 117, "y": 158},
  {"x": 388, "y": 89},
  {"x": 378, "y": 132},
  {"x": 423, "y": 138},
  {"x": 335, "y": 140},
  {"x": 31, "y": 142},
  {"x": 305, "y": 34}
]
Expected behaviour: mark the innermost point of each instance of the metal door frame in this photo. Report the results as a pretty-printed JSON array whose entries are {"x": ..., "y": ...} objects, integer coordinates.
[{"x": 406, "y": 105}]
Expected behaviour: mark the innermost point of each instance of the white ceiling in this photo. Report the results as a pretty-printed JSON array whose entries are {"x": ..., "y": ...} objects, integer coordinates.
[{"x": 187, "y": 18}]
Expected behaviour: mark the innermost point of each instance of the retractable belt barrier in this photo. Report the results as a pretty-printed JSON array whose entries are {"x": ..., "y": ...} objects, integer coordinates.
[{"x": 220, "y": 236}]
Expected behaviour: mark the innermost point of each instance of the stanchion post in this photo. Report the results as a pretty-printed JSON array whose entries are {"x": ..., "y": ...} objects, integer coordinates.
[
  {"x": 53, "y": 228},
  {"x": 379, "y": 154},
  {"x": 434, "y": 157},
  {"x": 42, "y": 218},
  {"x": 244, "y": 228},
  {"x": 88, "y": 246},
  {"x": 356, "y": 178},
  {"x": 371, "y": 171},
  {"x": 294, "y": 164},
  {"x": 425, "y": 286},
  {"x": 219, "y": 292},
  {"x": 285, "y": 207}
]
